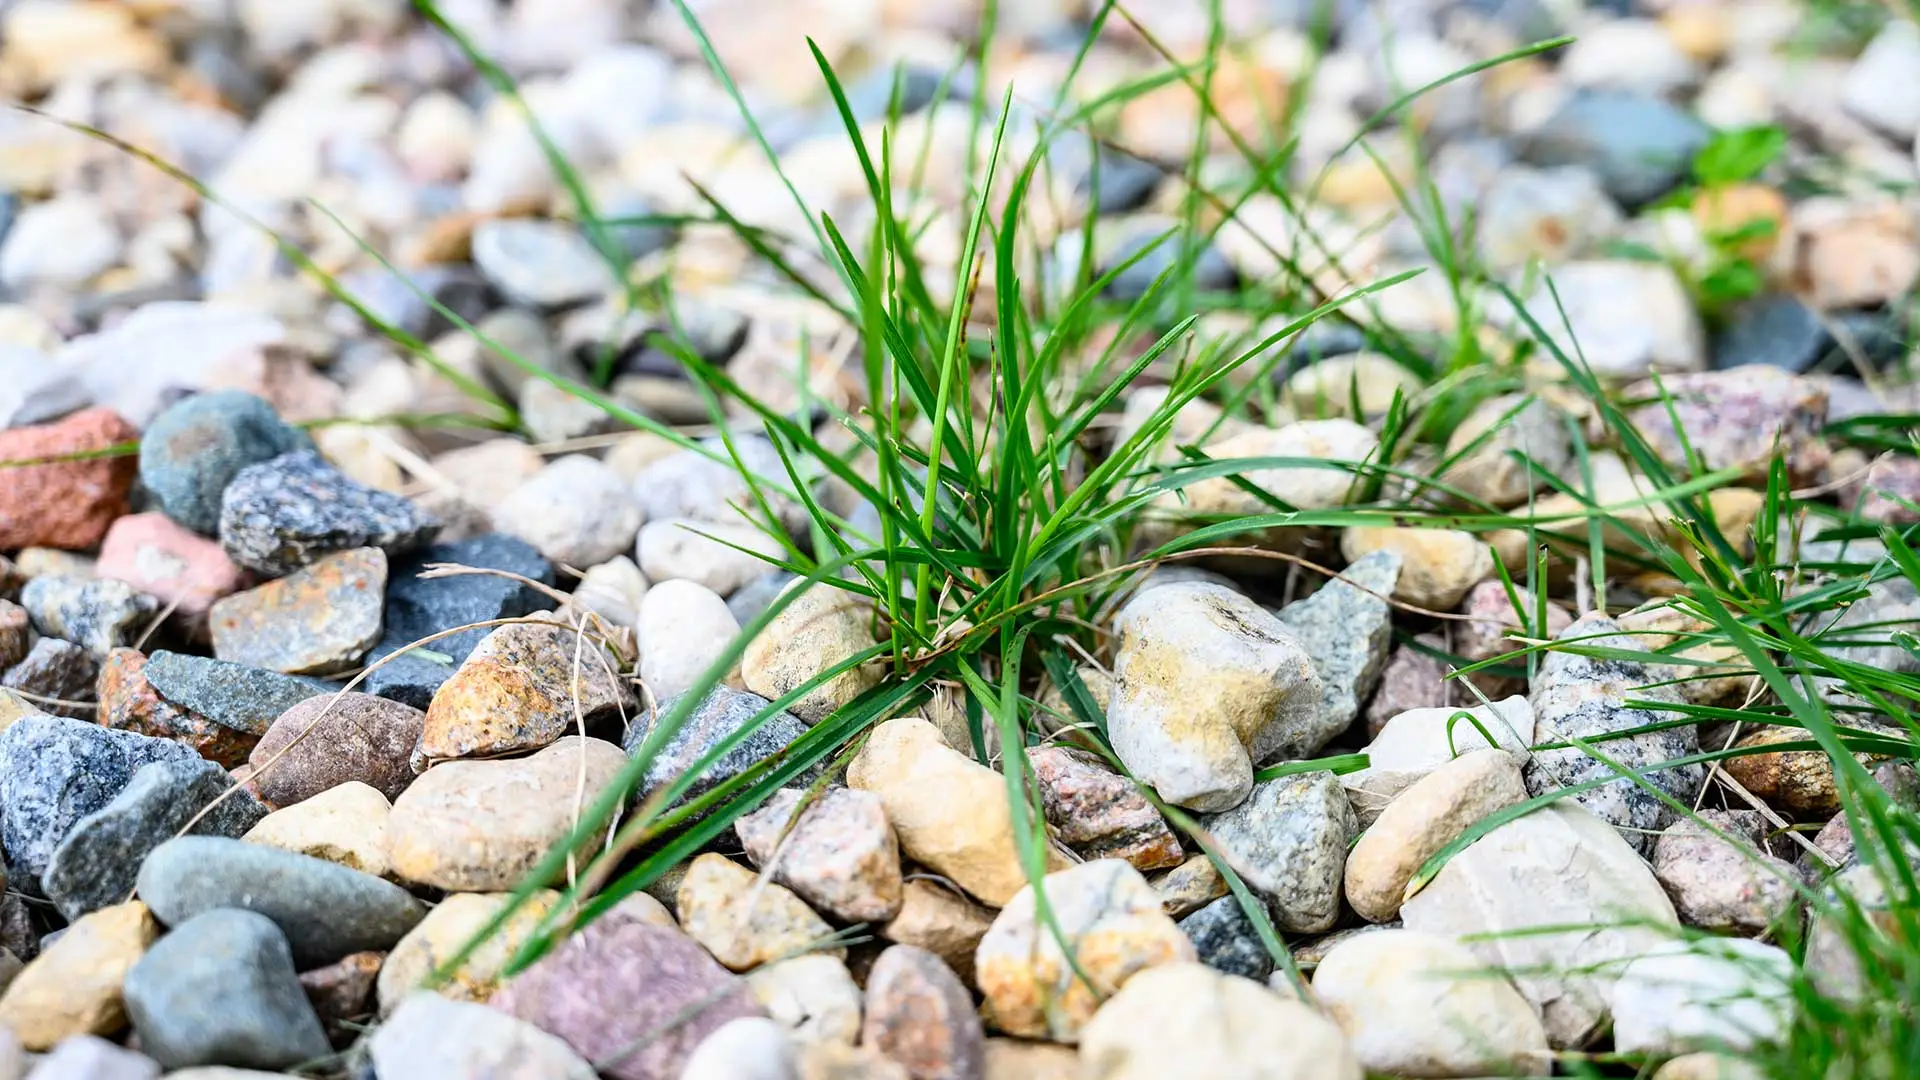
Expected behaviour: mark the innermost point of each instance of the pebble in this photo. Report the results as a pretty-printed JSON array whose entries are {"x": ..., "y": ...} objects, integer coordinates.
[
  {"x": 748, "y": 1048},
  {"x": 73, "y": 986},
  {"x": 690, "y": 484},
  {"x": 1876, "y": 88},
  {"x": 1727, "y": 994},
  {"x": 1099, "y": 813},
  {"x": 194, "y": 449},
  {"x": 540, "y": 263},
  {"x": 613, "y": 590},
  {"x": 1289, "y": 841},
  {"x": 1780, "y": 330},
  {"x": 95, "y": 866},
  {"x": 326, "y": 910},
  {"x": 446, "y": 930},
  {"x": 60, "y": 243},
  {"x": 1115, "y": 921},
  {"x": 1559, "y": 866},
  {"x": 919, "y": 1015},
  {"x": 831, "y": 1061},
  {"x": 949, "y": 811},
  {"x": 1739, "y": 419},
  {"x": 1430, "y": 814},
  {"x": 220, "y": 989},
  {"x": 280, "y": 515},
  {"x": 940, "y": 919},
  {"x": 720, "y": 714},
  {"x": 1718, "y": 886},
  {"x": 1188, "y": 887},
  {"x": 345, "y": 824},
  {"x": 1187, "y": 1021},
  {"x": 1551, "y": 215},
  {"x": 1346, "y": 627},
  {"x": 1583, "y": 697},
  {"x": 840, "y": 855},
  {"x": 419, "y": 607},
  {"x": 1330, "y": 387},
  {"x": 817, "y": 632},
  {"x": 1414, "y": 1004},
  {"x": 179, "y": 568},
  {"x": 97, "y": 614},
  {"x": 1491, "y": 471},
  {"x": 331, "y": 739},
  {"x": 89, "y": 1057},
  {"x": 1854, "y": 255},
  {"x": 53, "y": 773},
  {"x": 245, "y": 699},
  {"x": 1486, "y": 636},
  {"x": 1708, "y": 1066},
  {"x": 481, "y": 826},
  {"x": 1437, "y": 566},
  {"x": 64, "y": 504},
  {"x": 621, "y": 984},
  {"x": 682, "y": 629},
  {"x": 1639, "y": 146},
  {"x": 341, "y": 991},
  {"x": 1225, "y": 939},
  {"x": 1307, "y": 487},
  {"x": 813, "y": 996},
  {"x": 744, "y": 919},
  {"x": 430, "y": 1035},
  {"x": 576, "y": 511},
  {"x": 1209, "y": 684},
  {"x": 1628, "y": 318},
  {"x": 721, "y": 556},
  {"x": 58, "y": 672},
  {"x": 1888, "y": 491},
  {"x": 318, "y": 620},
  {"x": 522, "y": 687},
  {"x": 16, "y": 633}
]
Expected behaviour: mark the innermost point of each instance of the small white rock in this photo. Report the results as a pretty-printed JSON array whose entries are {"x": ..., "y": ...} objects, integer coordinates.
[
  {"x": 1627, "y": 318},
  {"x": 710, "y": 553},
  {"x": 576, "y": 511},
  {"x": 1880, "y": 87},
  {"x": 813, "y": 996},
  {"x": 1706, "y": 993},
  {"x": 682, "y": 628},
  {"x": 749, "y": 1048},
  {"x": 1188, "y": 1022},
  {"x": 60, "y": 243}
]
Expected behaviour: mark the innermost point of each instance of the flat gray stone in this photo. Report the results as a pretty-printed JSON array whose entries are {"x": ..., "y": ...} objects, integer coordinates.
[{"x": 1347, "y": 628}]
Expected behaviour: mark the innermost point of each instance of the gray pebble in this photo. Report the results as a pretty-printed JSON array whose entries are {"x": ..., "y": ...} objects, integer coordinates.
[
  {"x": 194, "y": 449},
  {"x": 232, "y": 695},
  {"x": 221, "y": 989},
  {"x": 1347, "y": 630},
  {"x": 1640, "y": 146},
  {"x": 55, "y": 669},
  {"x": 90, "y": 1057},
  {"x": 1290, "y": 841},
  {"x": 1227, "y": 941},
  {"x": 280, "y": 515},
  {"x": 98, "y": 614},
  {"x": 721, "y": 713}
]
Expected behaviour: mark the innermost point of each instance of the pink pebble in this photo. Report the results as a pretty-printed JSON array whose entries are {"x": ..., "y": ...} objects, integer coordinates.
[{"x": 157, "y": 556}]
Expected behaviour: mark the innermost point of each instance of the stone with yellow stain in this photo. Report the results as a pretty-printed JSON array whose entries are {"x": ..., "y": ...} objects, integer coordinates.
[
  {"x": 345, "y": 824},
  {"x": 320, "y": 620},
  {"x": 1438, "y": 565},
  {"x": 521, "y": 688},
  {"x": 1115, "y": 922},
  {"x": 73, "y": 988},
  {"x": 743, "y": 919},
  {"x": 452, "y": 923},
  {"x": 815, "y": 633}
]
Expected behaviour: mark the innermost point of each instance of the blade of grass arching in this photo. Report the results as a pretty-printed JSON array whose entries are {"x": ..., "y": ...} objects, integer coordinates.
[
  {"x": 597, "y": 234},
  {"x": 1190, "y": 239},
  {"x": 1337, "y": 764}
]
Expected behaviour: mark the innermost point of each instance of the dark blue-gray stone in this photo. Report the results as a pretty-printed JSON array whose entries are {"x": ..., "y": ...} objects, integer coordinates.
[
  {"x": 232, "y": 695},
  {"x": 96, "y": 865},
  {"x": 419, "y": 607},
  {"x": 54, "y": 772},
  {"x": 721, "y": 713},
  {"x": 221, "y": 989},
  {"x": 1640, "y": 146},
  {"x": 1227, "y": 941},
  {"x": 57, "y": 669},
  {"x": 1779, "y": 331},
  {"x": 278, "y": 516},
  {"x": 1211, "y": 270},
  {"x": 193, "y": 450},
  {"x": 1347, "y": 629},
  {"x": 1125, "y": 181},
  {"x": 325, "y": 909}
]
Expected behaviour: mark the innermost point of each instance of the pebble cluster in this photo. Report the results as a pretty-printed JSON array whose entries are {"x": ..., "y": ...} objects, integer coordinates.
[{"x": 223, "y": 863}]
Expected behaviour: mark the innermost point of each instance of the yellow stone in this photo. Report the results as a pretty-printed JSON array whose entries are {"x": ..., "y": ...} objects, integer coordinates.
[
  {"x": 446, "y": 929},
  {"x": 346, "y": 824},
  {"x": 73, "y": 988},
  {"x": 746, "y": 920}
]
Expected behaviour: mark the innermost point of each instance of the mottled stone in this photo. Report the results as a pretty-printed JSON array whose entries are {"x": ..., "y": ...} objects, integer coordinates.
[
  {"x": 66, "y": 504},
  {"x": 1505, "y": 446},
  {"x": 1485, "y": 637},
  {"x": 1099, "y": 813},
  {"x": 481, "y": 826},
  {"x": 1118, "y": 929},
  {"x": 1414, "y": 1004},
  {"x": 16, "y": 633},
  {"x": 129, "y": 702},
  {"x": 743, "y": 919},
  {"x": 59, "y": 674},
  {"x": 949, "y": 811},
  {"x": 1346, "y": 627},
  {"x": 1208, "y": 684},
  {"x": 432, "y": 1036},
  {"x": 814, "y": 997},
  {"x": 220, "y": 989},
  {"x": 1430, "y": 814},
  {"x": 194, "y": 449},
  {"x": 1584, "y": 697},
  {"x": 95, "y": 866},
  {"x": 1739, "y": 419},
  {"x": 1190, "y": 886},
  {"x": 446, "y": 930},
  {"x": 840, "y": 855},
  {"x": 97, "y": 614},
  {"x": 1189, "y": 1020},
  {"x": 941, "y": 920},
  {"x": 53, "y": 773},
  {"x": 329, "y": 739},
  {"x": 246, "y": 699},
  {"x": 1559, "y": 866},
  {"x": 73, "y": 987},
  {"x": 326, "y": 910},
  {"x": 920, "y": 1015},
  {"x": 832, "y": 1061},
  {"x": 1289, "y": 841},
  {"x": 280, "y": 515},
  {"x": 1728, "y": 994},
  {"x": 577, "y": 511},
  {"x": 722, "y": 713},
  {"x": 623, "y": 987},
  {"x": 1718, "y": 885},
  {"x": 521, "y": 688},
  {"x": 813, "y": 634},
  {"x": 346, "y": 824},
  {"x": 318, "y": 620},
  {"x": 1225, "y": 939}
]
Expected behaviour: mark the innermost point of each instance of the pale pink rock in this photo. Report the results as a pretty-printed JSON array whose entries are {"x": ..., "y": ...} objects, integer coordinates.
[{"x": 156, "y": 556}]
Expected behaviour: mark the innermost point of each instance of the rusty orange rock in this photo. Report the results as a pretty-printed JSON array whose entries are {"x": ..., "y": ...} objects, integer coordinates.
[
  {"x": 63, "y": 503},
  {"x": 129, "y": 702}
]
